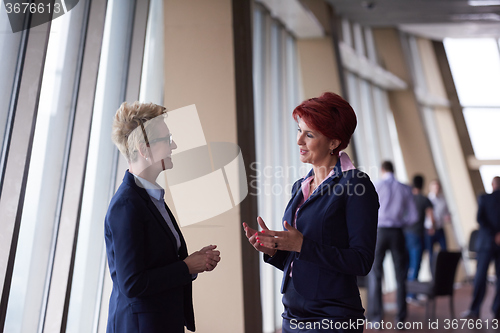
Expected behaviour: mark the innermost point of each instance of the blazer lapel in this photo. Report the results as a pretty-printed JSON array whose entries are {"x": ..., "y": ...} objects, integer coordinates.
[
  {"x": 163, "y": 223},
  {"x": 183, "y": 249},
  {"x": 130, "y": 179},
  {"x": 327, "y": 187}
]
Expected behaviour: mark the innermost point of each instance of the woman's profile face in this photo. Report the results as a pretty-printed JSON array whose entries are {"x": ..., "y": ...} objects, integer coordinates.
[
  {"x": 161, "y": 145},
  {"x": 314, "y": 147}
]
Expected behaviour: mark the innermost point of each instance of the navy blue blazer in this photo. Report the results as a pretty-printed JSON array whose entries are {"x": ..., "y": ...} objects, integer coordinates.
[
  {"x": 152, "y": 289},
  {"x": 488, "y": 216},
  {"x": 339, "y": 224}
]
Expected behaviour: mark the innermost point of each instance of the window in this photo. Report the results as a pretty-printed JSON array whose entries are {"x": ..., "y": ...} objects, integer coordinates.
[
  {"x": 376, "y": 137},
  {"x": 55, "y": 276},
  {"x": 39, "y": 222},
  {"x": 276, "y": 86},
  {"x": 8, "y": 65},
  {"x": 152, "y": 69},
  {"x": 90, "y": 263},
  {"x": 475, "y": 66}
]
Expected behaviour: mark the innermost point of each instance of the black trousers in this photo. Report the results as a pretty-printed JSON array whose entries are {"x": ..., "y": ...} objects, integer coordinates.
[
  {"x": 391, "y": 239},
  {"x": 484, "y": 257}
]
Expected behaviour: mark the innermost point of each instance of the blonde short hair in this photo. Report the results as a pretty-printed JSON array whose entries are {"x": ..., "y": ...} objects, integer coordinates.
[{"x": 127, "y": 133}]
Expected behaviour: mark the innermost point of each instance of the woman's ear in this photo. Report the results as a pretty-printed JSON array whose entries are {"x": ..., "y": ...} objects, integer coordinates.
[
  {"x": 334, "y": 144},
  {"x": 143, "y": 150}
]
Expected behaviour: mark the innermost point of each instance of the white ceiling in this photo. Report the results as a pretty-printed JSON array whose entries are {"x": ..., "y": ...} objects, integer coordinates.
[
  {"x": 295, "y": 17},
  {"x": 440, "y": 31},
  {"x": 435, "y": 19}
]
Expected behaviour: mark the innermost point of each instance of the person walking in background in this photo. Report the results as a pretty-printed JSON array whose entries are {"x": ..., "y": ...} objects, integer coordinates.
[
  {"x": 435, "y": 228},
  {"x": 488, "y": 217},
  {"x": 414, "y": 234},
  {"x": 397, "y": 210}
]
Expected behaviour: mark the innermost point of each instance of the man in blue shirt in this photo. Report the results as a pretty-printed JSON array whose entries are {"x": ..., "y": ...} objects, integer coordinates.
[{"x": 397, "y": 210}]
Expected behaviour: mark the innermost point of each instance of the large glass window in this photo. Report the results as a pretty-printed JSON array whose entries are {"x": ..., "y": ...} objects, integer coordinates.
[
  {"x": 152, "y": 69},
  {"x": 39, "y": 222},
  {"x": 376, "y": 137},
  {"x": 482, "y": 124},
  {"x": 475, "y": 66},
  {"x": 88, "y": 269},
  {"x": 87, "y": 52},
  {"x": 276, "y": 86},
  {"x": 9, "y": 54}
]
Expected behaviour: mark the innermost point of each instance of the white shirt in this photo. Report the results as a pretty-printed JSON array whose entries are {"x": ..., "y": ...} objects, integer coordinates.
[{"x": 440, "y": 211}]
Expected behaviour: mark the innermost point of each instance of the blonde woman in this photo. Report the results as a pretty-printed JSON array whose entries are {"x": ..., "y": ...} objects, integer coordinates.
[{"x": 147, "y": 255}]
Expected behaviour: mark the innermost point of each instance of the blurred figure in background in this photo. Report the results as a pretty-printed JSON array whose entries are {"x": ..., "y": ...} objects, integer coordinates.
[
  {"x": 488, "y": 240},
  {"x": 435, "y": 232},
  {"x": 397, "y": 211},
  {"x": 415, "y": 233}
]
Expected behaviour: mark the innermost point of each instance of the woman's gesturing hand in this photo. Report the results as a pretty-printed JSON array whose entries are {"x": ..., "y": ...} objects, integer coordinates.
[
  {"x": 252, "y": 236},
  {"x": 269, "y": 241},
  {"x": 288, "y": 240}
]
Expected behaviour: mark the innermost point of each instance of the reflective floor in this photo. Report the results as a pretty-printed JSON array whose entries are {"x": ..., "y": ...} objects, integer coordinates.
[
  {"x": 443, "y": 322},
  {"x": 417, "y": 322}
]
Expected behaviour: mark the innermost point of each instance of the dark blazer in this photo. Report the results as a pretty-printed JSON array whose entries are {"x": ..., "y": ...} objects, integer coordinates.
[
  {"x": 339, "y": 224},
  {"x": 151, "y": 283},
  {"x": 488, "y": 216}
]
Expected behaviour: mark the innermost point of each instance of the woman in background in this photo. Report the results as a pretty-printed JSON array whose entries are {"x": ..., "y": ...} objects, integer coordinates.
[{"x": 435, "y": 231}]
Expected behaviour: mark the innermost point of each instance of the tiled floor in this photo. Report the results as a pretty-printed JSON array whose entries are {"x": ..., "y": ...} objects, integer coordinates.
[{"x": 417, "y": 322}]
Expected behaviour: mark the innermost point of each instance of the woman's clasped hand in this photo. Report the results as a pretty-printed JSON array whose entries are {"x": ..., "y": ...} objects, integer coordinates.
[{"x": 204, "y": 260}]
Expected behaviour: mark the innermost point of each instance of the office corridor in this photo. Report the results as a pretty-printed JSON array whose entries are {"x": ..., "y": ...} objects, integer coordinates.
[{"x": 416, "y": 321}]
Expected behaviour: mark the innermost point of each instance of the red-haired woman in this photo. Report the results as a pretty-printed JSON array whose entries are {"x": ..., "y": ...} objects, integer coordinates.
[{"x": 330, "y": 225}]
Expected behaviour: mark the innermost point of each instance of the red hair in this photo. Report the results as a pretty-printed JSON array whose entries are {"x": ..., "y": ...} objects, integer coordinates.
[{"x": 329, "y": 114}]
